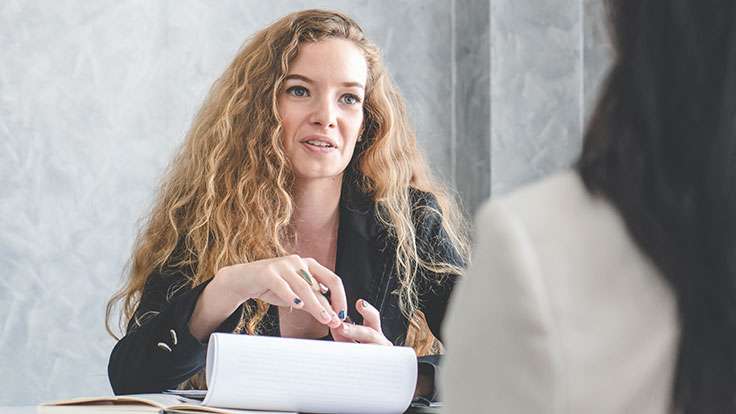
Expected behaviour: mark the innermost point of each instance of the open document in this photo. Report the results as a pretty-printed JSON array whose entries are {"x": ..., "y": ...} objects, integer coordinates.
[{"x": 267, "y": 373}]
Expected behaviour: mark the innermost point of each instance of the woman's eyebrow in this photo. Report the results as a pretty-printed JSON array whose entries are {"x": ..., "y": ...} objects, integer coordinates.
[
  {"x": 353, "y": 85},
  {"x": 296, "y": 76}
]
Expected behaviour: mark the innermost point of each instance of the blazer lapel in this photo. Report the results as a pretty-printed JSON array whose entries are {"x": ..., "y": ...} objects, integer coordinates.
[{"x": 359, "y": 261}]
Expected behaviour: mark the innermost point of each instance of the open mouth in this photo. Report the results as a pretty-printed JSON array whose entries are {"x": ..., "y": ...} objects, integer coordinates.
[{"x": 319, "y": 144}]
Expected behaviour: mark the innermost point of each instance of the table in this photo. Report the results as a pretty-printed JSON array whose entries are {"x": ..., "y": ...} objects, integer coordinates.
[{"x": 122, "y": 409}]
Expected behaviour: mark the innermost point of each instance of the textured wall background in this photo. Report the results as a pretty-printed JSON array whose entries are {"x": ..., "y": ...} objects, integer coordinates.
[
  {"x": 548, "y": 58},
  {"x": 597, "y": 53},
  {"x": 536, "y": 73},
  {"x": 96, "y": 96},
  {"x": 94, "y": 99}
]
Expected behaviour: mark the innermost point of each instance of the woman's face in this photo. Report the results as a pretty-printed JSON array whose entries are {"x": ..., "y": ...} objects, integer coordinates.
[{"x": 321, "y": 107}]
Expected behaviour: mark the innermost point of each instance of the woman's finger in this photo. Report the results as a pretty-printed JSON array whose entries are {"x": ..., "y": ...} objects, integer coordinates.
[
  {"x": 335, "y": 322},
  {"x": 308, "y": 294},
  {"x": 371, "y": 316},
  {"x": 363, "y": 334},
  {"x": 337, "y": 335},
  {"x": 283, "y": 293},
  {"x": 333, "y": 282}
]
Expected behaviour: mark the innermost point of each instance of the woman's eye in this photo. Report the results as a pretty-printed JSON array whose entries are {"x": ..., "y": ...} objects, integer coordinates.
[
  {"x": 298, "y": 91},
  {"x": 350, "y": 99}
]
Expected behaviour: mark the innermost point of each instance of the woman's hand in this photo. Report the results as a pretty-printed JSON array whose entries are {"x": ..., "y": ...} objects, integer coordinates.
[
  {"x": 369, "y": 333},
  {"x": 289, "y": 281}
]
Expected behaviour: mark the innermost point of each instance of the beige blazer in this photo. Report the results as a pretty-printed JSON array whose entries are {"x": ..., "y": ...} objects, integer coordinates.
[{"x": 559, "y": 311}]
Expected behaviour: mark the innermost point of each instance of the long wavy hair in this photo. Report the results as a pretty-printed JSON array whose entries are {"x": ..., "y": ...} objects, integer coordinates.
[
  {"x": 661, "y": 146},
  {"x": 227, "y": 196}
]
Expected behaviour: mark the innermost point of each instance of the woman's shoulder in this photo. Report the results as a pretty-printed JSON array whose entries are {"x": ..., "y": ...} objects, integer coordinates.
[
  {"x": 558, "y": 218},
  {"x": 559, "y": 200},
  {"x": 432, "y": 238},
  {"x": 424, "y": 203},
  {"x": 421, "y": 197},
  {"x": 426, "y": 211},
  {"x": 562, "y": 187}
]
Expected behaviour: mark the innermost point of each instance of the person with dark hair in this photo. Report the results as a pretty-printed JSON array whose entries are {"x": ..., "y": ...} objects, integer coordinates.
[{"x": 612, "y": 288}]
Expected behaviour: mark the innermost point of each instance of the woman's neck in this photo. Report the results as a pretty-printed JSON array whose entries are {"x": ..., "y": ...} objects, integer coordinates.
[{"x": 316, "y": 215}]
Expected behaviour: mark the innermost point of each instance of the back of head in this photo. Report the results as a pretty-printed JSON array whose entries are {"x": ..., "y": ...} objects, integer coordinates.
[{"x": 661, "y": 146}]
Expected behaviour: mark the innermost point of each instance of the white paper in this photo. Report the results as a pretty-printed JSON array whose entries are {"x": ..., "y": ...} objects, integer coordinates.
[{"x": 268, "y": 373}]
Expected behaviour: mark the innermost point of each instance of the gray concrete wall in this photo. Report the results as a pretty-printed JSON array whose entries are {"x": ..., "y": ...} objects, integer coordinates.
[
  {"x": 548, "y": 58},
  {"x": 597, "y": 53},
  {"x": 536, "y": 73},
  {"x": 472, "y": 104}
]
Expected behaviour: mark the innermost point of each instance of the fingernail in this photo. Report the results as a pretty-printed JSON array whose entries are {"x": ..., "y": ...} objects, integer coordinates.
[
  {"x": 361, "y": 303},
  {"x": 297, "y": 301},
  {"x": 341, "y": 315}
]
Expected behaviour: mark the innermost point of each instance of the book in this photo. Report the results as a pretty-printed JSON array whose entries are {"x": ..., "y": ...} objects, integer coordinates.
[
  {"x": 245, "y": 372},
  {"x": 154, "y": 403}
]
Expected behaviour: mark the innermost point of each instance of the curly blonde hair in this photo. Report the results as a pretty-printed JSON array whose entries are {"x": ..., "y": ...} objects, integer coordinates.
[{"x": 227, "y": 196}]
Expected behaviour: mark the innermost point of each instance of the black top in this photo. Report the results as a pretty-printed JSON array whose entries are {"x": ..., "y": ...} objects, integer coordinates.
[{"x": 158, "y": 352}]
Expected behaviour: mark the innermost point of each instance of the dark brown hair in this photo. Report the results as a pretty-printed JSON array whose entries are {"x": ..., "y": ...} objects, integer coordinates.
[{"x": 661, "y": 146}]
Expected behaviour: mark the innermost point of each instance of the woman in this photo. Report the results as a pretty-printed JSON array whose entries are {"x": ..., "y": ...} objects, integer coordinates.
[
  {"x": 612, "y": 288},
  {"x": 300, "y": 177}
]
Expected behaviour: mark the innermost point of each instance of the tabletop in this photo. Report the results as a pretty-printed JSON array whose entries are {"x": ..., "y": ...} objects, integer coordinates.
[{"x": 125, "y": 409}]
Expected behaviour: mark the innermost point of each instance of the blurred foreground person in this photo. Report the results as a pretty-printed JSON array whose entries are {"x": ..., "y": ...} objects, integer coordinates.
[{"x": 611, "y": 288}]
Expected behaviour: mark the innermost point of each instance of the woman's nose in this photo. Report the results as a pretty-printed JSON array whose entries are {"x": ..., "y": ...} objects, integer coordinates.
[{"x": 324, "y": 114}]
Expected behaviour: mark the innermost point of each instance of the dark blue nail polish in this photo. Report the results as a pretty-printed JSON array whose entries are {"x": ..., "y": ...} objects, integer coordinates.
[
  {"x": 341, "y": 315},
  {"x": 297, "y": 301}
]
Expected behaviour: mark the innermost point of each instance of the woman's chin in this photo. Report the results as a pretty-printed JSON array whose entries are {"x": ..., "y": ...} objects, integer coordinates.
[{"x": 318, "y": 175}]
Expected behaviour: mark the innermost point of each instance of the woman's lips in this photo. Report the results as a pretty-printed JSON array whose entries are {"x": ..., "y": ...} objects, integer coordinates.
[{"x": 318, "y": 149}]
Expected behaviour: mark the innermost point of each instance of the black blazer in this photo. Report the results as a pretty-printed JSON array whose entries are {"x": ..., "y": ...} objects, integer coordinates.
[{"x": 158, "y": 352}]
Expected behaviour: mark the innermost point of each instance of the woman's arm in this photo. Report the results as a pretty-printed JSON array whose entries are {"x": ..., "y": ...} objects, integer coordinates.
[
  {"x": 158, "y": 351},
  {"x": 163, "y": 345}
]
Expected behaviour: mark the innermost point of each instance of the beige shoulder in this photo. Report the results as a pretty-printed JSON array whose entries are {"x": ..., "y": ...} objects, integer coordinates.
[{"x": 555, "y": 203}]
